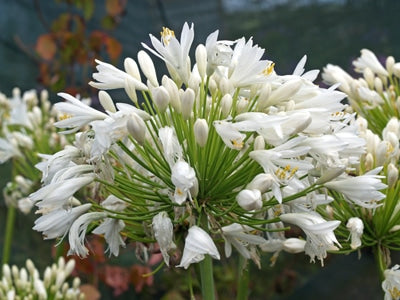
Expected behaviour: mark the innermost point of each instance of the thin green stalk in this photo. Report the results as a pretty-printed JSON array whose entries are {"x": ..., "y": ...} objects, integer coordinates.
[
  {"x": 243, "y": 280},
  {"x": 207, "y": 278},
  {"x": 380, "y": 261},
  {"x": 8, "y": 235}
]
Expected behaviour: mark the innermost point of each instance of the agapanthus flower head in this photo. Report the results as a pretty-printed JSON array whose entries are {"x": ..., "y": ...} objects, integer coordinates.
[{"x": 204, "y": 156}]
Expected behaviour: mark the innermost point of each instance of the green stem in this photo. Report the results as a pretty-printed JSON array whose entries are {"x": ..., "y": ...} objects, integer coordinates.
[
  {"x": 207, "y": 279},
  {"x": 243, "y": 281},
  {"x": 380, "y": 261},
  {"x": 8, "y": 234}
]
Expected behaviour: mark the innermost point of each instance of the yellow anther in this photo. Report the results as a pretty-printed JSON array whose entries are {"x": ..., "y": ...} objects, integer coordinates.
[
  {"x": 268, "y": 70},
  {"x": 294, "y": 170},
  {"x": 287, "y": 168},
  {"x": 179, "y": 191},
  {"x": 395, "y": 293},
  {"x": 237, "y": 144},
  {"x": 64, "y": 117},
  {"x": 166, "y": 35}
]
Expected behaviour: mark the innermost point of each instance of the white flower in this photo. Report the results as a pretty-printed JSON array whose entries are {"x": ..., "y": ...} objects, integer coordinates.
[
  {"x": 230, "y": 135},
  {"x": 362, "y": 190},
  {"x": 201, "y": 132},
  {"x": 369, "y": 60},
  {"x": 111, "y": 229},
  {"x": 75, "y": 113},
  {"x": 391, "y": 284},
  {"x": 163, "y": 232},
  {"x": 197, "y": 244},
  {"x": 171, "y": 147},
  {"x": 219, "y": 53},
  {"x": 77, "y": 233},
  {"x": 109, "y": 77},
  {"x": 57, "y": 222},
  {"x": 8, "y": 149},
  {"x": 320, "y": 236},
  {"x": 239, "y": 236},
  {"x": 356, "y": 228},
  {"x": 183, "y": 177},
  {"x": 174, "y": 53}
]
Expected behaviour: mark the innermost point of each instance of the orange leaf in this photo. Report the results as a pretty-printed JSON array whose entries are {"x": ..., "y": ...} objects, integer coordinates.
[
  {"x": 46, "y": 46},
  {"x": 90, "y": 291},
  {"x": 113, "y": 48},
  {"x": 115, "y": 7}
]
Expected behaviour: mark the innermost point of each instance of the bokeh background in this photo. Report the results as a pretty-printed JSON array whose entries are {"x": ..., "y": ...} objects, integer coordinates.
[{"x": 327, "y": 31}]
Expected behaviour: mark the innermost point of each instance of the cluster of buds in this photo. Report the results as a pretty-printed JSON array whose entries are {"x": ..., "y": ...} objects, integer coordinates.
[
  {"x": 26, "y": 284},
  {"x": 222, "y": 151},
  {"x": 26, "y": 129}
]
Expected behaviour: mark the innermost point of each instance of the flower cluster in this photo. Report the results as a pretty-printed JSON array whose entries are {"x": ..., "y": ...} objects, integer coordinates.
[
  {"x": 25, "y": 283},
  {"x": 26, "y": 129},
  {"x": 223, "y": 150},
  {"x": 375, "y": 97}
]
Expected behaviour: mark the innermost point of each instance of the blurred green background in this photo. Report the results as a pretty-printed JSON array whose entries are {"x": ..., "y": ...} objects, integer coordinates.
[{"x": 328, "y": 31}]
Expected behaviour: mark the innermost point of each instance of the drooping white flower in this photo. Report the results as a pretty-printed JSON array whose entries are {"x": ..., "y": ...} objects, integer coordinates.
[
  {"x": 77, "y": 233},
  {"x": 362, "y": 190},
  {"x": 356, "y": 228},
  {"x": 75, "y": 113},
  {"x": 109, "y": 77},
  {"x": 57, "y": 222},
  {"x": 197, "y": 244},
  {"x": 183, "y": 177},
  {"x": 111, "y": 229},
  {"x": 240, "y": 237},
  {"x": 391, "y": 284},
  {"x": 163, "y": 232},
  {"x": 174, "y": 53},
  {"x": 320, "y": 236},
  {"x": 171, "y": 147}
]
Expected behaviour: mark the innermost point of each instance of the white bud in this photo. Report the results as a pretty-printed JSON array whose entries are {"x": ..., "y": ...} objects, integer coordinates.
[
  {"x": 294, "y": 245},
  {"x": 381, "y": 153},
  {"x": 147, "y": 66},
  {"x": 107, "y": 102},
  {"x": 226, "y": 105},
  {"x": 187, "y": 103},
  {"x": 369, "y": 161},
  {"x": 160, "y": 98},
  {"x": 194, "y": 190},
  {"x": 40, "y": 289},
  {"x": 330, "y": 174},
  {"x": 396, "y": 69},
  {"x": 201, "y": 132},
  {"x": 262, "y": 182},
  {"x": 225, "y": 86},
  {"x": 130, "y": 90},
  {"x": 241, "y": 105},
  {"x": 137, "y": 128},
  {"x": 173, "y": 92},
  {"x": 194, "y": 81},
  {"x": 378, "y": 85},
  {"x": 212, "y": 86},
  {"x": 392, "y": 175},
  {"x": 7, "y": 272},
  {"x": 259, "y": 143},
  {"x": 284, "y": 92},
  {"x": 249, "y": 199},
  {"x": 201, "y": 60},
  {"x": 131, "y": 68},
  {"x": 369, "y": 77},
  {"x": 389, "y": 64},
  {"x": 69, "y": 267}
]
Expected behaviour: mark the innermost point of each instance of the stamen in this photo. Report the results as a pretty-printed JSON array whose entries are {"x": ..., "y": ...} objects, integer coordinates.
[
  {"x": 268, "y": 70},
  {"x": 166, "y": 35}
]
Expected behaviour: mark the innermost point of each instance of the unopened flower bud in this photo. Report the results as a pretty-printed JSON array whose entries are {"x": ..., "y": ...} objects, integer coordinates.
[
  {"x": 330, "y": 174},
  {"x": 262, "y": 182},
  {"x": 369, "y": 77},
  {"x": 226, "y": 105},
  {"x": 106, "y": 102},
  {"x": 130, "y": 90},
  {"x": 241, "y": 105},
  {"x": 147, "y": 66},
  {"x": 294, "y": 245},
  {"x": 369, "y": 161},
  {"x": 137, "y": 128},
  {"x": 259, "y": 143},
  {"x": 194, "y": 190},
  {"x": 187, "y": 103},
  {"x": 249, "y": 199},
  {"x": 389, "y": 64},
  {"x": 201, "y": 60},
  {"x": 225, "y": 86},
  {"x": 160, "y": 98},
  {"x": 396, "y": 70},
  {"x": 378, "y": 85},
  {"x": 194, "y": 81},
  {"x": 201, "y": 132},
  {"x": 262, "y": 101},
  {"x": 173, "y": 92},
  {"x": 392, "y": 175},
  {"x": 131, "y": 68}
]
